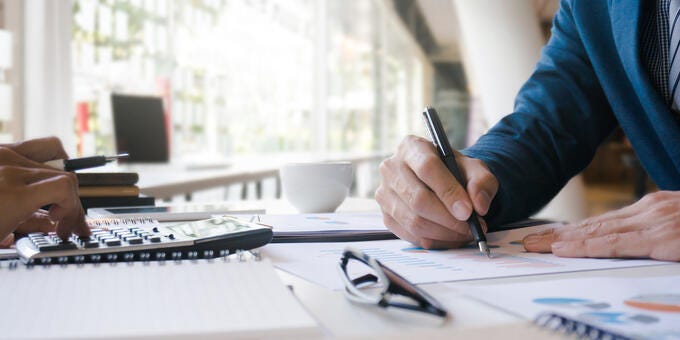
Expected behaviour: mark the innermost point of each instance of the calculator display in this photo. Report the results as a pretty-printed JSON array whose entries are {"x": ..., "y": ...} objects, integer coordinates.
[{"x": 212, "y": 227}]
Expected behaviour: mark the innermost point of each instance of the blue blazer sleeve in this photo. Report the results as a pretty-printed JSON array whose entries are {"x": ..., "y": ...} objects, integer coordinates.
[{"x": 560, "y": 117}]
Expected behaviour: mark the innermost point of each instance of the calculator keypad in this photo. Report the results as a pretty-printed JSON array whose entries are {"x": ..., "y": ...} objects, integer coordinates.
[{"x": 115, "y": 237}]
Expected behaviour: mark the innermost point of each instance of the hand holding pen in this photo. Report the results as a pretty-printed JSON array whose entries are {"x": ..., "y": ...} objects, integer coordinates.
[
  {"x": 74, "y": 164},
  {"x": 441, "y": 143},
  {"x": 421, "y": 200}
]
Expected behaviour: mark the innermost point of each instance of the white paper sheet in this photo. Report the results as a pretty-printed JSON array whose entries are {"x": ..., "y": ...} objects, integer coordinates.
[
  {"x": 317, "y": 262},
  {"x": 635, "y": 307},
  {"x": 318, "y": 222},
  {"x": 188, "y": 299}
]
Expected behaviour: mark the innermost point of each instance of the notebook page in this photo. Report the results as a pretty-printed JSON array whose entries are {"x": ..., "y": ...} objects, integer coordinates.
[{"x": 136, "y": 300}]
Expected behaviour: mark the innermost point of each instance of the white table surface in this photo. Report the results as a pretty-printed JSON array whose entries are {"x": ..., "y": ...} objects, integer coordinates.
[{"x": 469, "y": 318}]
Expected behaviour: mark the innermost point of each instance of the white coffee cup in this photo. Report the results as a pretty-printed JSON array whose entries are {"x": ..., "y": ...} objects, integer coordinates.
[{"x": 316, "y": 187}]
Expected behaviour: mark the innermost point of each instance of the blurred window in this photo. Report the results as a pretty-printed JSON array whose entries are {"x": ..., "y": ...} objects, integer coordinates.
[{"x": 245, "y": 77}]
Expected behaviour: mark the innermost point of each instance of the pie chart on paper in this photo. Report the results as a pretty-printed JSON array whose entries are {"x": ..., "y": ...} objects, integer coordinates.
[{"x": 656, "y": 302}]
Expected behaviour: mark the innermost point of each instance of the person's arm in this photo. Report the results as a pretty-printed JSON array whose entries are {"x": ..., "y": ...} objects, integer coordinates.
[{"x": 561, "y": 115}]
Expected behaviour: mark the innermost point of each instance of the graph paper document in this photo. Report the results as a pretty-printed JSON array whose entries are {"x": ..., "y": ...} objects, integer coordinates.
[
  {"x": 641, "y": 308},
  {"x": 317, "y": 262}
]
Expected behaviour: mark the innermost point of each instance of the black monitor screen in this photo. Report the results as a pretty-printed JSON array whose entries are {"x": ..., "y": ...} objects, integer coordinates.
[{"x": 140, "y": 128}]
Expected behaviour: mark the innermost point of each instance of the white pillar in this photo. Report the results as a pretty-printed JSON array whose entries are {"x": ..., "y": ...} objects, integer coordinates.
[
  {"x": 48, "y": 102},
  {"x": 501, "y": 42}
]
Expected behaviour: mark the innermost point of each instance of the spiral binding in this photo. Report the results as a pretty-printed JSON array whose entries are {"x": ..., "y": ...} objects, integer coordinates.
[
  {"x": 580, "y": 329},
  {"x": 161, "y": 256}
]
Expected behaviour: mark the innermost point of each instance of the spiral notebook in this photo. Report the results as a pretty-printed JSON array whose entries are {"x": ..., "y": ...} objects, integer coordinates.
[{"x": 176, "y": 299}]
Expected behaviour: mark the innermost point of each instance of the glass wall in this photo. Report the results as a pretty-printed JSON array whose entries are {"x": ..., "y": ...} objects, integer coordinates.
[{"x": 244, "y": 77}]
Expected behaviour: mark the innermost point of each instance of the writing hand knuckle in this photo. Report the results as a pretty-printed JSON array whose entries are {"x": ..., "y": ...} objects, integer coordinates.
[
  {"x": 387, "y": 220},
  {"x": 451, "y": 192},
  {"x": 407, "y": 143},
  {"x": 426, "y": 165},
  {"x": 383, "y": 168},
  {"x": 379, "y": 194},
  {"x": 412, "y": 223},
  {"x": 418, "y": 199}
]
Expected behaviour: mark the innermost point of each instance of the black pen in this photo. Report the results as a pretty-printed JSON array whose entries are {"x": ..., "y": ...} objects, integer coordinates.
[
  {"x": 74, "y": 164},
  {"x": 441, "y": 143}
]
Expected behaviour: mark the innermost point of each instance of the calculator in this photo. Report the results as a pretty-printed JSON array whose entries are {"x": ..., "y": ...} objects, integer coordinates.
[{"x": 128, "y": 241}]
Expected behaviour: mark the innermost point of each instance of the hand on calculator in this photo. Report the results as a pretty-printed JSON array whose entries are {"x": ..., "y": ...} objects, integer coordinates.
[{"x": 26, "y": 185}]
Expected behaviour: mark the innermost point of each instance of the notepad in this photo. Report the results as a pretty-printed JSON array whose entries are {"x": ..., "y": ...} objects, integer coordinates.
[{"x": 198, "y": 299}]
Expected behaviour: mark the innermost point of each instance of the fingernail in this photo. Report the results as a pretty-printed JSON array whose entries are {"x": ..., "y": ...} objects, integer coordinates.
[
  {"x": 558, "y": 245},
  {"x": 483, "y": 201},
  {"x": 462, "y": 210},
  {"x": 531, "y": 239}
]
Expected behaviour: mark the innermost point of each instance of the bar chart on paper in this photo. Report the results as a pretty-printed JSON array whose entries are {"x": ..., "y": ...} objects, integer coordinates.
[{"x": 317, "y": 262}]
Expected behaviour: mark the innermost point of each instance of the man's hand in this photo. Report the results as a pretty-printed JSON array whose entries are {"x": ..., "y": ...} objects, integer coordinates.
[
  {"x": 648, "y": 228},
  {"x": 423, "y": 203},
  {"x": 27, "y": 185},
  {"x": 39, "y": 150}
]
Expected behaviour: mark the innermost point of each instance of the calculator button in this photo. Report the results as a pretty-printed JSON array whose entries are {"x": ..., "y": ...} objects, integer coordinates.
[
  {"x": 112, "y": 242},
  {"x": 58, "y": 246},
  {"x": 154, "y": 239},
  {"x": 91, "y": 244},
  {"x": 134, "y": 240},
  {"x": 127, "y": 236}
]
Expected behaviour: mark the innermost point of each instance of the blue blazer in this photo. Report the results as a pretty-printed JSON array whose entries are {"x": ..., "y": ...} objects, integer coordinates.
[{"x": 589, "y": 80}]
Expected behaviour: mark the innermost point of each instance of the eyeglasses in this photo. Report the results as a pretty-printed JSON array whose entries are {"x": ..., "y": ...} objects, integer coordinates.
[{"x": 368, "y": 281}]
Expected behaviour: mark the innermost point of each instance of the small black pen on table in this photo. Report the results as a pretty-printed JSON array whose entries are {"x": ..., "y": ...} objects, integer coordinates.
[
  {"x": 74, "y": 164},
  {"x": 441, "y": 143}
]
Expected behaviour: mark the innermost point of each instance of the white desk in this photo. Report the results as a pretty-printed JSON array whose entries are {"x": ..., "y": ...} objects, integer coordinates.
[{"x": 469, "y": 318}]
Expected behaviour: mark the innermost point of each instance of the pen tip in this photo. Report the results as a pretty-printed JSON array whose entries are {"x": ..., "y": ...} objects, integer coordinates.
[{"x": 484, "y": 249}]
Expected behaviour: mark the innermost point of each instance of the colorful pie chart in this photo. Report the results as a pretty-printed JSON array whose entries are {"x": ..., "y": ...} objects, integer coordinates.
[{"x": 656, "y": 302}]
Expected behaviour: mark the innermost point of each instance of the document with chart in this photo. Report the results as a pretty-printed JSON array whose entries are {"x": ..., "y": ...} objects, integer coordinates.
[
  {"x": 317, "y": 262},
  {"x": 640, "y": 308}
]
